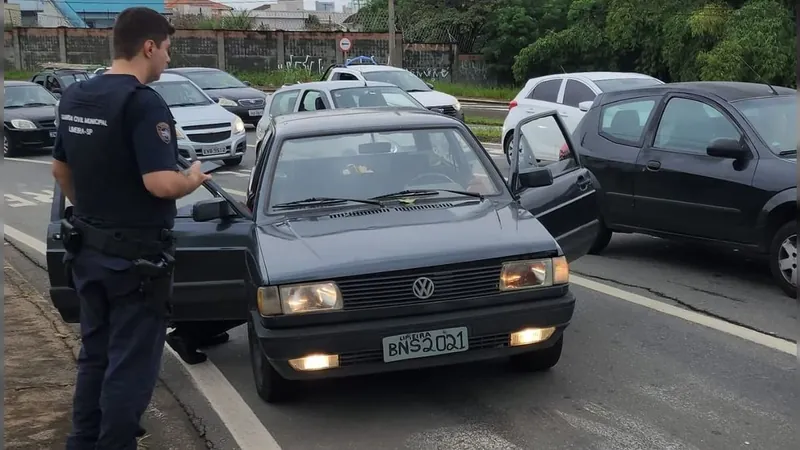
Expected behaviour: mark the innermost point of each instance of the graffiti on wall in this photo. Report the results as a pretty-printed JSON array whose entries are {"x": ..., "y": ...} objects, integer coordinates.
[
  {"x": 472, "y": 70},
  {"x": 432, "y": 73},
  {"x": 310, "y": 63}
]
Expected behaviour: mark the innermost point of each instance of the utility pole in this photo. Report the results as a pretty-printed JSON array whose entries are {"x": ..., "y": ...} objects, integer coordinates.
[{"x": 392, "y": 40}]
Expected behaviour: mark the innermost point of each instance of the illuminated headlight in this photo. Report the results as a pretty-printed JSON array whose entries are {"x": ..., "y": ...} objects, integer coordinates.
[
  {"x": 23, "y": 124},
  {"x": 238, "y": 126},
  {"x": 457, "y": 106},
  {"x": 536, "y": 273},
  {"x": 226, "y": 102},
  {"x": 180, "y": 135},
  {"x": 299, "y": 298}
]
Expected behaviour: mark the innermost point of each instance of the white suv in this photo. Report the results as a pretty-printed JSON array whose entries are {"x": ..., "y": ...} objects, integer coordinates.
[{"x": 571, "y": 94}]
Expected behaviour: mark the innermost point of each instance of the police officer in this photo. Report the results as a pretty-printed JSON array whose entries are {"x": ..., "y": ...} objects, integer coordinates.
[{"x": 115, "y": 158}]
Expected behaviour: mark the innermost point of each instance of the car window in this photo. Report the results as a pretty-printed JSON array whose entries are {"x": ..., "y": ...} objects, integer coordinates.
[
  {"x": 72, "y": 78},
  {"x": 364, "y": 165},
  {"x": 624, "y": 121},
  {"x": 576, "y": 92},
  {"x": 283, "y": 103},
  {"x": 312, "y": 101},
  {"x": 772, "y": 118},
  {"x": 546, "y": 91},
  {"x": 344, "y": 76},
  {"x": 403, "y": 79},
  {"x": 184, "y": 204},
  {"x": 27, "y": 96},
  {"x": 691, "y": 126},
  {"x": 180, "y": 93},
  {"x": 39, "y": 79},
  {"x": 619, "y": 84},
  {"x": 544, "y": 144},
  {"x": 372, "y": 97},
  {"x": 51, "y": 83},
  {"x": 214, "y": 79}
]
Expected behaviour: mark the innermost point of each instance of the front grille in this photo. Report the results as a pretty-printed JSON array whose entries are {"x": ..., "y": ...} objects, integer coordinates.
[
  {"x": 451, "y": 282},
  {"x": 251, "y": 102},
  {"x": 446, "y": 110},
  {"x": 47, "y": 123},
  {"x": 206, "y": 126},
  {"x": 376, "y": 356},
  {"x": 210, "y": 137}
]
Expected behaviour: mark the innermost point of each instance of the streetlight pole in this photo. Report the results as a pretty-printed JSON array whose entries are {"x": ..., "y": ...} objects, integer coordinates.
[{"x": 392, "y": 40}]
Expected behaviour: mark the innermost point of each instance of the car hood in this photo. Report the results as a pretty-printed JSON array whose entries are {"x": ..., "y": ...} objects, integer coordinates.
[
  {"x": 35, "y": 114},
  {"x": 199, "y": 115},
  {"x": 236, "y": 93},
  {"x": 434, "y": 98},
  {"x": 370, "y": 241}
]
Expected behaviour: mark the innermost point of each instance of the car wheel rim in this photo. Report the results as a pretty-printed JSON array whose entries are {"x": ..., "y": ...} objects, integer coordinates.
[
  {"x": 787, "y": 259},
  {"x": 5, "y": 145}
]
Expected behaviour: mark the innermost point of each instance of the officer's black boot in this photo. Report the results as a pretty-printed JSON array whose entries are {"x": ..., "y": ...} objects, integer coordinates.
[
  {"x": 185, "y": 349},
  {"x": 211, "y": 341}
]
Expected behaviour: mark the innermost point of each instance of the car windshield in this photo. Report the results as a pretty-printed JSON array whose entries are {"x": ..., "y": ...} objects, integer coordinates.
[
  {"x": 403, "y": 79},
  {"x": 368, "y": 165},
  {"x": 620, "y": 84},
  {"x": 372, "y": 97},
  {"x": 71, "y": 78},
  {"x": 214, "y": 79},
  {"x": 22, "y": 96},
  {"x": 774, "y": 119},
  {"x": 180, "y": 93}
]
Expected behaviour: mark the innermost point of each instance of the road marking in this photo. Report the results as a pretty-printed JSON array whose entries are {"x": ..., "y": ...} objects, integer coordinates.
[
  {"x": 242, "y": 423},
  {"x": 690, "y": 316},
  {"x": 43, "y": 196},
  {"x": 36, "y": 161},
  {"x": 235, "y": 192},
  {"x": 13, "y": 201}
]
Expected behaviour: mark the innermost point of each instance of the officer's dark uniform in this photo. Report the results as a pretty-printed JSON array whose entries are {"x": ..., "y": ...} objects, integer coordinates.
[{"x": 112, "y": 130}]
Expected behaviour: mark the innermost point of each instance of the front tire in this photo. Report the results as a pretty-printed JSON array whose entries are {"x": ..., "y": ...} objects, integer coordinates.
[
  {"x": 783, "y": 258},
  {"x": 602, "y": 240},
  {"x": 271, "y": 387},
  {"x": 9, "y": 149},
  {"x": 538, "y": 360}
]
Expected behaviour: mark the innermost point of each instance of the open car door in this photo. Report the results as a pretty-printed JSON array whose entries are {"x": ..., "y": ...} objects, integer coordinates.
[
  {"x": 212, "y": 259},
  {"x": 568, "y": 207}
]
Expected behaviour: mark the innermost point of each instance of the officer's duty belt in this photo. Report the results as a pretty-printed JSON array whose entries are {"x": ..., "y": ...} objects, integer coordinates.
[{"x": 128, "y": 244}]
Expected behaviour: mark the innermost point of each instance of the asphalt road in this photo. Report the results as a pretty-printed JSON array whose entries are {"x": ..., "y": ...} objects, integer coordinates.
[
  {"x": 492, "y": 110},
  {"x": 630, "y": 377}
]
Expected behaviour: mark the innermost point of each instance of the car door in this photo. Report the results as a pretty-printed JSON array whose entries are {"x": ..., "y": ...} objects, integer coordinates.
[
  {"x": 543, "y": 96},
  {"x": 568, "y": 207},
  {"x": 313, "y": 100},
  {"x": 212, "y": 262},
  {"x": 679, "y": 188},
  {"x": 575, "y": 92},
  {"x": 609, "y": 140},
  {"x": 256, "y": 174},
  {"x": 284, "y": 102}
]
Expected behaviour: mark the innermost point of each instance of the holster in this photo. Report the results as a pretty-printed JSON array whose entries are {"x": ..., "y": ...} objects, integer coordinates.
[{"x": 156, "y": 281}]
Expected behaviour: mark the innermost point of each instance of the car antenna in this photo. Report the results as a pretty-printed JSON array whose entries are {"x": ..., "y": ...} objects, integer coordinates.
[{"x": 759, "y": 76}]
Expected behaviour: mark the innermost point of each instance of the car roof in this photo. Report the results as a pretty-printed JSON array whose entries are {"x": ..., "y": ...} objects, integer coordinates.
[
  {"x": 192, "y": 69},
  {"x": 332, "y": 85},
  {"x": 19, "y": 83},
  {"x": 171, "y": 77},
  {"x": 372, "y": 68},
  {"x": 729, "y": 91},
  {"x": 597, "y": 76},
  {"x": 355, "y": 120}
]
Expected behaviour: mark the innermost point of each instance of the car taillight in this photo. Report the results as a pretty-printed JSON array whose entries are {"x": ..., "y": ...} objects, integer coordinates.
[
  {"x": 563, "y": 152},
  {"x": 512, "y": 104}
]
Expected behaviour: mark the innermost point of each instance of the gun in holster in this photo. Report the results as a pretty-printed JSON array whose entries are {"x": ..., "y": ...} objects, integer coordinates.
[
  {"x": 156, "y": 281},
  {"x": 72, "y": 238}
]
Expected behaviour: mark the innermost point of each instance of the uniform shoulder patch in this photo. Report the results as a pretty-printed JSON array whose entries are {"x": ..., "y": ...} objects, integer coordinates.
[{"x": 162, "y": 128}]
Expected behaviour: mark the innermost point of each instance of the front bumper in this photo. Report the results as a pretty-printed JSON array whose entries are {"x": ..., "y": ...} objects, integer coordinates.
[
  {"x": 249, "y": 115},
  {"x": 36, "y": 138},
  {"x": 360, "y": 344},
  {"x": 235, "y": 146}
]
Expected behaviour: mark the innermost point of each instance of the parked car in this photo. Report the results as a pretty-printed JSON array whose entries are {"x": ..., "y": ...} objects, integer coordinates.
[
  {"x": 28, "y": 117},
  {"x": 570, "y": 94},
  {"x": 231, "y": 93},
  {"x": 705, "y": 162},
  {"x": 329, "y": 240},
  {"x": 332, "y": 95},
  {"x": 56, "y": 80},
  {"x": 364, "y": 68}
]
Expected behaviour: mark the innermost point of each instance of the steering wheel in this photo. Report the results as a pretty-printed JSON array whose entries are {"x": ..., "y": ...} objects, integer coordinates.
[{"x": 440, "y": 176}]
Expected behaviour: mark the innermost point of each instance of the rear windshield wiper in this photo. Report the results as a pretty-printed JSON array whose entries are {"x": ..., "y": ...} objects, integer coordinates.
[
  {"x": 316, "y": 201},
  {"x": 424, "y": 192}
]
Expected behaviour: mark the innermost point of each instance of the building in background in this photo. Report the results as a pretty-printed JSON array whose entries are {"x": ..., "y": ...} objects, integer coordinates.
[
  {"x": 325, "y": 6},
  {"x": 195, "y": 7},
  {"x": 38, "y": 13},
  {"x": 12, "y": 14}
]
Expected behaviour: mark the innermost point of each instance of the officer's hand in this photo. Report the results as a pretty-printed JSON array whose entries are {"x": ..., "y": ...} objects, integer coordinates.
[{"x": 196, "y": 174}]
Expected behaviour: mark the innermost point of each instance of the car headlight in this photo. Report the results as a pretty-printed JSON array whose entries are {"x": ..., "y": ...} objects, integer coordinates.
[
  {"x": 299, "y": 298},
  {"x": 180, "y": 135},
  {"x": 226, "y": 102},
  {"x": 238, "y": 126},
  {"x": 535, "y": 273},
  {"x": 260, "y": 131},
  {"x": 457, "y": 106},
  {"x": 23, "y": 124}
]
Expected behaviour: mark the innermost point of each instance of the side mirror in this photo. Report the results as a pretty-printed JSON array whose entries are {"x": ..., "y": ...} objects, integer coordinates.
[
  {"x": 214, "y": 208},
  {"x": 215, "y": 99},
  {"x": 585, "y": 106},
  {"x": 727, "y": 148},
  {"x": 535, "y": 177},
  {"x": 430, "y": 85},
  {"x": 246, "y": 83}
]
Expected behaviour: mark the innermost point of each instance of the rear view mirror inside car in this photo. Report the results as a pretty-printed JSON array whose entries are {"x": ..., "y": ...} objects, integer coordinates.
[{"x": 372, "y": 148}]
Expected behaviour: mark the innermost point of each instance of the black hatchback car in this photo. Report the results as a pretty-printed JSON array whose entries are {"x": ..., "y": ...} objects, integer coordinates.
[
  {"x": 706, "y": 162},
  {"x": 231, "y": 93},
  {"x": 29, "y": 114},
  {"x": 375, "y": 240}
]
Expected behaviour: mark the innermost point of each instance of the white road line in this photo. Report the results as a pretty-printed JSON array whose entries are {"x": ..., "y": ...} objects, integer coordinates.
[
  {"x": 242, "y": 423},
  {"x": 690, "y": 316},
  {"x": 36, "y": 161}
]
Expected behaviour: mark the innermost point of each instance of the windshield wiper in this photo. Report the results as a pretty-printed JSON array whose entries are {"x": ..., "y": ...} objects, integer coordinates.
[
  {"x": 424, "y": 192},
  {"x": 39, "y": 104},
  {"x": 417, "y": 90},
  {"x": 787, "y": 152},
  {"x": 178, "y": 105},
  {"x": 316, "y": 201}
]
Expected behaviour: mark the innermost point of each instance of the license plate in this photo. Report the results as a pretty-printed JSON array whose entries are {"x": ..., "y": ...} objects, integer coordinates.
[
  {"x": 256, "y": 112},
  {"x": 425, "y": 343},
  {"x": 52, "y": 134},
  {"x": 214, "y": 151}
]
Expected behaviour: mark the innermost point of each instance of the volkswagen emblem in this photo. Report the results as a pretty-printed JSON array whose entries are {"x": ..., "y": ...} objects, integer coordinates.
[{"x": 423, "y": 288}]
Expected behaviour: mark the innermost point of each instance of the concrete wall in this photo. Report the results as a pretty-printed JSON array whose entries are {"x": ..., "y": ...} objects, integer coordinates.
[{"x": 28, "y": 48}]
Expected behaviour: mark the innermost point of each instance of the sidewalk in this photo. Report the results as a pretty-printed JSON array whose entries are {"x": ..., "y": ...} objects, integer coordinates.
[{"x": 39, "y": 373}]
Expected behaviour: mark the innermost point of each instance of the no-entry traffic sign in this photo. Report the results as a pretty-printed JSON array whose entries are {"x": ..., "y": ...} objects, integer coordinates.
[{"x": 344, "y": 44}]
